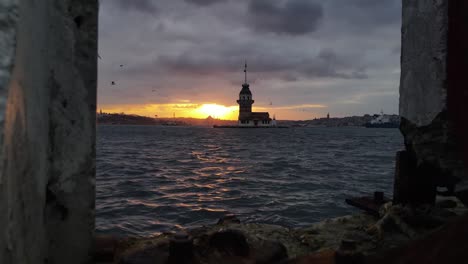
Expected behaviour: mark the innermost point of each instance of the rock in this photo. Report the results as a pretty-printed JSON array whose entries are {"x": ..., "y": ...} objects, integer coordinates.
[
  {"x": 347, "y": 245},
  {"x": 228, "y": 219},
  {"x": 323, "y": 257},
  {"x": 462, "y": 193},
  {"x": 393, "y": 220},
  {"x": 270, "y": 252},
  {"x": 369, "y": 204},
  {"x": 105, "y": 248},
  {"x": 348, "y": 257},
  {"x": 147, "y": 255},
  {"x": 446, "y": 245},
  {"x": 181, "y": 248},
  {"x": 329, "y": 234},
  {"x": 379, "y": 197},
  {"x": 230, "y": 242}
]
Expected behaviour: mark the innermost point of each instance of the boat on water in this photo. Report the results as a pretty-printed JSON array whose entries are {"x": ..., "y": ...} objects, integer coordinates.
[
  {"x": 171, "y": 124},
  {"x": 382, "y": 121}
]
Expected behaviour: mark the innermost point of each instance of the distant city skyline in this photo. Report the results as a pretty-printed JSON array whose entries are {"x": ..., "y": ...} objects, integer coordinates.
[{"x": 306, "y": 58}]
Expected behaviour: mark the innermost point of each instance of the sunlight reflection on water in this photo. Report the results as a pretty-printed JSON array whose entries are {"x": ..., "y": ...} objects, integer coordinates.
[{"x": 152, "y": 179}]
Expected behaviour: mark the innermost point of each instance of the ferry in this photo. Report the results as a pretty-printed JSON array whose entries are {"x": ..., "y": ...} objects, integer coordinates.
[{"x": 382, "y": 121}]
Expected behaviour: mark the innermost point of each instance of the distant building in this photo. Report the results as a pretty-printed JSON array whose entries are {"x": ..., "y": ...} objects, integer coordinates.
[
  {"x": 101, "y": 113},
  {"x": 246, "y": 116}
]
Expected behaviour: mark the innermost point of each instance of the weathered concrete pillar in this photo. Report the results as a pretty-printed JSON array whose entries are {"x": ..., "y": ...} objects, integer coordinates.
[
  {"x": 47, "y": 178},
  {"x": 457, "y": 89},
  {"x": 433, "y": 93},
  {"x": 8, "y": 30},
  {"x": 415, "y": 185}
]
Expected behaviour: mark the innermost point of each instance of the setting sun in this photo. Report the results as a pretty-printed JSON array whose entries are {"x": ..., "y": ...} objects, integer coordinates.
[{"x": 216, "y": 111}]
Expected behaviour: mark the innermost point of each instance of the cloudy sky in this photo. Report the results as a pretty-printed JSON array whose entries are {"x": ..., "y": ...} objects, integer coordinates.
[{"x": 305, "y": 57}]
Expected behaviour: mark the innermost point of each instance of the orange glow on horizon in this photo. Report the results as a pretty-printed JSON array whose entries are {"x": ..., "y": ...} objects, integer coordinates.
[
  {"x": 189, "y": 110},
  {"x": 218, "y": 111}
]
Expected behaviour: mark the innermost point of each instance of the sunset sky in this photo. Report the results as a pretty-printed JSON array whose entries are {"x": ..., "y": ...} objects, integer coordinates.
[{"x": 305, "y": 57}]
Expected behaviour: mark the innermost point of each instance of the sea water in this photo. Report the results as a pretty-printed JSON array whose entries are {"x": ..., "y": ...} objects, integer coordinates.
[{"x": 152, "y": 179}]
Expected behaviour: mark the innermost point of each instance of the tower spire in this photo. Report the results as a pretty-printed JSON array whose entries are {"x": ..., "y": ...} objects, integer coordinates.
[{"x": 245, "y": 71}]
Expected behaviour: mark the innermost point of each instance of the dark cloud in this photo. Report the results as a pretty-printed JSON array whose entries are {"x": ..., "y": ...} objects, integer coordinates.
[
  {"x": 326, "y": 64},
  {"x": 144, "y": 6},
  {"x": 293, "y": 17},
  {"x": 366, "y": 3},
  {"x": 365, "y": 14},
  {"x": 299, "y": 52},
  {"x": 329, "y": 64},
  {"x": 202, "y": 2}
]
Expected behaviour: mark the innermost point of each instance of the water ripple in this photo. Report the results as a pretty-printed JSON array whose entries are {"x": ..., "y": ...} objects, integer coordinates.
[{"x": 155, "y": 179}]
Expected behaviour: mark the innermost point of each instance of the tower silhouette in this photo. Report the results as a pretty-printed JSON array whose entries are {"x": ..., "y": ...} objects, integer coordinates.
[{"x": 245, "y": 99}]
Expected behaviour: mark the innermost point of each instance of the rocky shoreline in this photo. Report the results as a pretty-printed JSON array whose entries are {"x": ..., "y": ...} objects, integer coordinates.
[{"x": 230, "y": 241}]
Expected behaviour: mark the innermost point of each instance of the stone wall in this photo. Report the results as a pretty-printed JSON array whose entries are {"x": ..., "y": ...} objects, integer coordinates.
[
  {"x": 48, "y": 173},
  {"x": 433, "y": 138}
]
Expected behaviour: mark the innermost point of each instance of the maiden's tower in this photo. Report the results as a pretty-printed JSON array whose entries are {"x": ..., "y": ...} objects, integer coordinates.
[{"x": 247, "y": 118}]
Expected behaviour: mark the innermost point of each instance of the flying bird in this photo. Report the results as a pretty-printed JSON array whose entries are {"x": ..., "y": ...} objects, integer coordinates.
[
  {"x": 112, "y": 83},
  {"x": 121, "y": 65}
]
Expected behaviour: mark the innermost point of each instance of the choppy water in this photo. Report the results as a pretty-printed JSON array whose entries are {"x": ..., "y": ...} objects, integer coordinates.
[{"x": 152, "y": 179}]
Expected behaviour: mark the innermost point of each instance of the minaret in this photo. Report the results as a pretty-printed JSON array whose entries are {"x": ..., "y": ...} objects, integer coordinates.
[{"x": 245, "y": 99}]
